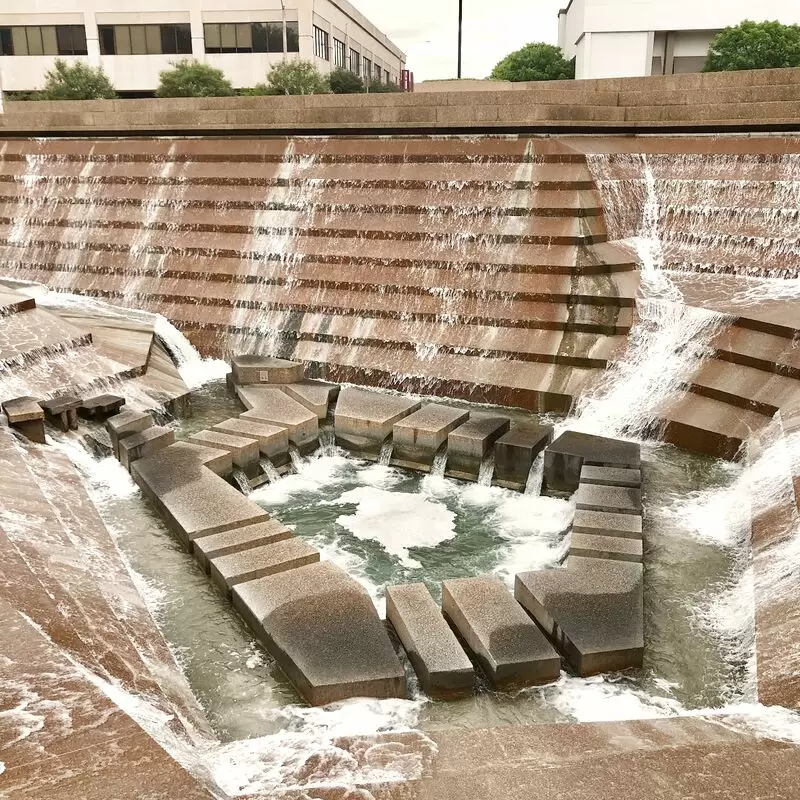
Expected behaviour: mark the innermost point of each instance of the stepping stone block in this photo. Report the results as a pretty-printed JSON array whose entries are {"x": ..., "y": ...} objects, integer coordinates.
[
  {"x": 439, "y": 660},
  {"x": 100, "y": 407},
  {"x": 592, "y": 610},
  {"x": 244, "y": 452},
  {"x": 565, "y": 457},
  {"x": 143, "y": 444},
  {"x": 237, "y": 540},
  {"x": 315, "y": 396},
  {"x": 249, "y": 369},
  {"x": 515, "y": 452},
  {"x": 418, "y": 436},
  {"x": 615, "y": 547},
  {"x": 364, "y": 420},
  {"x": 612, "y": 499},
  {"x": 321, "y": 627},
  {"x": 612, "y": 476},
  {"x": 603, "y": 523},
  {"x": 257, "y": 562},
  {"x": 469, "y": 444},
  {"x": 193, "y": 500},
  {"x": 26, "y": 416},
  {"x": 62, "y": 411},
  {"x": 273, "y": 441},
  {"x": 125, "y": 424},
  {"x": 272, "y": 406},
  {"x": 509, "y": 647}
]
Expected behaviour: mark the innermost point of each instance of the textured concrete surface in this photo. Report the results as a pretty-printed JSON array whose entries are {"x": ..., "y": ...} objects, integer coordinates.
[
  {"x": 439, "y": 660},
  {"x": 364, "y": 420},
  {"x": 418, "y": 436},
  {"x": 322, "y": 628},
  {"x": 26, "y": 416},
  {"x": 468, "y": 444},
  {"x": 314, "y": 395},
  {"x": 592, "y": 610},
  {"x": 611, "y": 476},
  {"x": 258, "y": 562},
  {"x": 62, "y": 411},
  {"x": 273, "y": 440},
  {"x": 143, "y": 444},
  {"x": 244, "y": 451},
  {"x": 264, "y": 369},
  {"x": 237, "y": 540},
  {"x": 125, "y": 424},
  {"x": 611, "y": 499},
  {"x": 271, "y": 406},
  {"x": 616, "y": 547},
  {"x": 101, "y": 406},
  {"x": 515, "y": 452},
  {"x": 510, "y": 648},
  {"x": 602, "y": 523}
]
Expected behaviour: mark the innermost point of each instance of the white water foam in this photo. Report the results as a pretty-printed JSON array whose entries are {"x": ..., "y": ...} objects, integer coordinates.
[
  {"x": 312, "y": 475},
  {"x": 195, "y": 371}
]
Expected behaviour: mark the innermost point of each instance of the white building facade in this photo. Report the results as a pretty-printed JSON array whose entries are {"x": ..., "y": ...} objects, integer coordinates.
[
  {"x": 622, "y": 38},
  {"x": 134, "y": 40}
]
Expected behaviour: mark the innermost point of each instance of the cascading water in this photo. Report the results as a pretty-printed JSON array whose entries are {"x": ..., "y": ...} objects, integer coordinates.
[
  {"x": 242, "y": 481},
  {"x": 439, "y": 462},
  {"x": 269, "y": 470},
  {"x": 296, "y": 458},
  {"x": 385, "y": 456},
  {"x": 533, "y": 485},
  {"x": 486, "y": 471}
]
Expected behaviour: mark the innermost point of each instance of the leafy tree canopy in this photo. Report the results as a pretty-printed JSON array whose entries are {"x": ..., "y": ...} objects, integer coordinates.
[
  {"x": 76, "y": 82},
  {"x": 535, "y": 62},
  {"x": 296, "y": 77},
  {"x": 342, "y": 81},
  {"x": 755, "y": 45},
  {"x": 189, "y": 78}
]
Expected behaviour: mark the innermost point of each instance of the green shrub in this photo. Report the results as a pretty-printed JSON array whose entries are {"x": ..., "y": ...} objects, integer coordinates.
[
  {"x": 296, "y": 77},
  {"x": 342, "y": 81},
  {"x": 76, "y": 82},
  {"x": 189, "y": 78},
  {"x": 754, "y": 45},
  {"x": 377, "y": 87},
  {"x": 535, "y": 62}
]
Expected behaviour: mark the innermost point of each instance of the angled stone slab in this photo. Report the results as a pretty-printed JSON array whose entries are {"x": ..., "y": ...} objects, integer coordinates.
[
  {"x": 364, "y": 420},
  {"x": 101, "y": 406},
  {"x": 62, "y": 411},
  {"x": 615, "y": 547},
  {"x": 321, "y": 627},
  {"x": 249, "y": 369},
  {"x": 515, "y": 452},
  {"x": 509, "y": 647},
  {"x": 273, "y": 441},
  {"x": 612, "y": 499},
  {"x": 125, "y": 424},
  {"x": 193, "y": 499},
  {"x": 237, "y": 540},
  {"x": 470, "y": 443},
  {"x": 143, "y": 444},
  {"x": 244, "y": 451},
  {"x": 439, "y": 660},
  {"x": 592, "y": 610},
  {"x": 257, "y": 562},
  {"x": 418, "y": 436},
  {"x": 314, "y": 395},
  {"x": 611, "y": 476},
  {"x": 272, "y": 406},
  {"x": 99, "y": 442},
  {"x": 26, "y": 416},
  {"x": 603, "y": 523},
  {"x": 565, "y": 457}
]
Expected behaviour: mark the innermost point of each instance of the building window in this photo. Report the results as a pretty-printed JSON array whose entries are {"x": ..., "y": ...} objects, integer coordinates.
[
  {"x": 244, "y": 37},
  {"x": 386, "y": 78},
  {"x": 355, "y": 62},
  {"x": 43, "y": 40},
  {"x": 322, "y": 44},
  {"x": 339, "y": 54},
  {"x": 292, "y": 37},
  {"x": 145, "y": 40},
  {"x": 377, "y": 73},
  {"x": 367, "y": 68}
]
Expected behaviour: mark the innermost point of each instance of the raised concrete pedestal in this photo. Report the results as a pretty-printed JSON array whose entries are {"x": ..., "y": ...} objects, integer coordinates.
[
  {"x": 26, "y": 416},
  {"x": 146, "y": 443},
  {"x": 125, "y": 424},
  {"x": 515, "y": 452},
  {"x": 244, "y": 451},
  {"x": 273, "y": 441},
  {"x": 314, "y": 395},
  {"x": 469, "y": 444},
  {"x": 271, "y": 406},
  {"x": 248, "y": 369},
  {"x": 418, "y": 436},
  {"x": 100, "y": 407},
  {"x": 62, "y": 412}
]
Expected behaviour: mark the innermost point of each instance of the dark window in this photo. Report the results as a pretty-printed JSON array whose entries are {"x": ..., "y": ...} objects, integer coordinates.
[
  {"x": 43, "y": 40},
  {"x": 355, "y": 62},
  {"x": 292, "y": 37},
  {"x": 141, "y": 40},
  {"x": 322, "y": 44},
  {"x": 6, "y": 45},
  {"x": 244, "y": 37},
  {"x": 339, "y": 54},
  {"x": 386, "y": 76},
  {"x": 368, "y": 68}
]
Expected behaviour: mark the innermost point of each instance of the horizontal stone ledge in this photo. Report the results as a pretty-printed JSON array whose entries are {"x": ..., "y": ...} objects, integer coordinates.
[
  {"x": 604, "y": 523},
  {"x": 612, "y": 499},
  {"x": 237, "y": 540},
  {"x": 617, "y": 548}
]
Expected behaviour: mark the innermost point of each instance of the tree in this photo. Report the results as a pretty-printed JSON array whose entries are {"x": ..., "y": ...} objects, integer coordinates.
[
  {"x": 296, "y": 77},
  {"x": 754, "y": 45},
  {"x": 342, "y": 81},
  {"x": 76, "y": 82},
  {"x": 376, "y": 87},
  {"x": 535, "y": 62},
  {"x": 189, "y": 78}
]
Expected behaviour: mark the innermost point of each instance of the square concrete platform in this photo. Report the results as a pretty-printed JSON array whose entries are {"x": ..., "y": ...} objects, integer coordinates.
[
  {"x": 418, "y": 436},
  {"x": 237, "y": 540},
  {"x": 364, "y": 420},
  {"x": 245, "y": 451},
  {"x": 272, "y": 406},
  {"x": 602, "y": 523},
  {"x": 515, "y": 452},
  {"x": 592, "y": 608},
  {"x": 509, "y": 647},
  {"x": 26, "y": 416},
  {"x": 273, "y": 441},
  {"x": 611, "y": 499},
  {"x": 611, "y": 476},
  {"x": 143, "y": 444},
  {"x": 257, "y": 562},
  {"x": 251, "y": 369},
  {"x": 439, "y": 660},
  {"x": 469, "y": 444},
  {"x": 101, "y": 406},
  {"x": 321, "y": 627},
  {"x": 314, "y": 395},
  {"x": 615, "y": 547},
  {"x": 62, "y": 411},
  {"x": 125, "y": 424}
]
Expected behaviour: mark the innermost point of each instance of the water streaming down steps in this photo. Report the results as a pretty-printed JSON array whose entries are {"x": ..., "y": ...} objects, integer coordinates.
[
  {"x": 269, "y": 470},
  {"x": 533, "y": 486},
  {"x": 486, "y": 471},
  {"x": 439, "y": 462},
  {"x": 242, "y": 481},
  {"x": 385, "y": 455},
  {"x": 296, "y": 458}
]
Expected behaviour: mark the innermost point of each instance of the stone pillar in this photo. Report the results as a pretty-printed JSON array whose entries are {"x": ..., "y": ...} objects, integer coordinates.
[
  {"x": 92, "y": 38},
  {"x": 198, "y": 35}
]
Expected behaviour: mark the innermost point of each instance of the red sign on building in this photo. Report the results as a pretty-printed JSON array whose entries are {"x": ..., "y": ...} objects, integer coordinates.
[{"x": 407, "y": 80}]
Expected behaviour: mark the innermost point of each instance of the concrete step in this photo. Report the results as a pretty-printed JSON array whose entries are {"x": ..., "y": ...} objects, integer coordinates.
[{"x": 30, "y": 335}]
